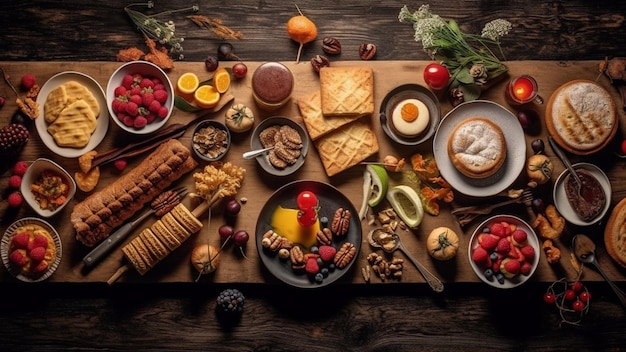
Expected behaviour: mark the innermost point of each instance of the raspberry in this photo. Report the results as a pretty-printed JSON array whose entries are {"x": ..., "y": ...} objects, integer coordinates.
[
  {"x": 37, "y": 254},
  {"x": 146, "y": 83},
  {"x": 519, "y": 237},
  {"x": 128, "y": 121},
  {"x": 154, "y": 106},
  {"x": 147, "y": 98},
  {"x": 120, "y": 91},
  {"x": 16, "y": 257},
  {"x": 140, "y": 122},
  {"x": 497, "y": 229},
  {"x": 40, "y": 268},
  {"x": 15, "y": 181},
  {"x": 480, "y": 256},
  {"x": 132, "y": 109},
  {"x": 135, "y": 91},
  {"x": 150, "y": 117},
  {"x": 528, "y": 252},
  {"x": 488, "y": 241},
  {"x": 20, "y": 168},
  {"x": 40, "y": 241},
  {"x": 163, "y": 111},
  {"x": 510, "y": 268},
  {"x": 157, "y": 81},
  {"x": 327, "y": 253},
  {"x": 127, "y": 81},
  {"x": 15, "y": 199},
  {"x": 504, "y": 246},
  {"x": 158, "y": 85},
  {"x": 28, "y": 81},
  {"x": 312, "y": 267},
  {"x": 160, "y": 96},
  {"x": 230, "y": 301},
  {"x": 136, "y": 98},
  {"x": 525, "y": 268},
  {"x": 120, "y": 164},
  {"x": 20, "y": 240}
]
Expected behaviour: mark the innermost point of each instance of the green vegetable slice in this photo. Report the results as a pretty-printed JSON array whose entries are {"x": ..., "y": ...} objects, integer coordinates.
[{"x": 407, "y": 204}]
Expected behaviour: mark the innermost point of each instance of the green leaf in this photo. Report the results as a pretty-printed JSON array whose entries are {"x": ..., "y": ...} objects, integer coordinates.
[
  {"x": 184, "y": 105},
  {"x": 464, "y": 76},
  {"x": 470, "y": 91}
]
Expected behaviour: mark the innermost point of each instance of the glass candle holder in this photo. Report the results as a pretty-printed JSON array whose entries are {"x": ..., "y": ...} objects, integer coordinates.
[{"x": 523, "y": 90}]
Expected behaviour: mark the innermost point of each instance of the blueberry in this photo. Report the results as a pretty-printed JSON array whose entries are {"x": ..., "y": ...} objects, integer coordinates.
[
  {"x": 324, "y": 272},
  {"x": 324, "y": 222},
  {"x": 493, "y": 256},
  {"x": 488, "y": 274},
  {"x": 331, "y": 267},
  {"x": 315, "y": 249},
  {"x": 485, "y": 229},
  {"x": 500, "y": 278},
  {"x": 320, "y": 262},
  {"x": 319, "y": 278}
]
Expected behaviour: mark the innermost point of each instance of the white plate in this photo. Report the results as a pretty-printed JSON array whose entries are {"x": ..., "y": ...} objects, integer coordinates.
[
  {"x": 6, "y": 240},
  {"x": 515, "y": 149},
  {"x": 103, "y": 118},
  {"x": 562, "y": 203},
  {"x": 532, "y": 240}
]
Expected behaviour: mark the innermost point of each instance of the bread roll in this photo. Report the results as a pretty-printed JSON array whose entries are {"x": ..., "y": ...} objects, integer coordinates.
[
  {"x": 477, "y": 147},
  {"x": 615, "y": 234}
]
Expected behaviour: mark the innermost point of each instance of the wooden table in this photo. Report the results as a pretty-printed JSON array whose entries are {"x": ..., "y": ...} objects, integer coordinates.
[{"x": 137, "y": 313}]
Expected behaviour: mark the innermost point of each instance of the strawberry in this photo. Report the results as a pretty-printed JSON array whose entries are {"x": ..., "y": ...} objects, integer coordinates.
[
  {"x": 504, "y": 246},
  {"x": 40, "y": 241},
  {"x": 154, "y": 106},
  {"x": 28, "y": 81},
  {"x": 488, "y": 241},
  {"x": 147, "y": 98},
  {"x": 496, "y": 265},
  {"x": 525, "y": 268},
  {"x": 16, "y": 257},
  {"x": 128, "y": 121},
  {"x": 127, "y": 82},
  {"x": 136, "y": 98},
  {"x": 120, "y": 164},
  {"x": 20, "y": 168},
  {"x": 519, "y": 237},
  {"x": 37, "y": 254},
  {"x": 163, "y": 111},
  {"x": 480, "y": 256},
  {"x": 135, "y": 91},
  {"x": 15, "y": 181},
  {"x": 15, "y": 199},
  {"x": 151, "y": 117},
  {"x": 20, "y": 240},
  {"x": 528, "y": 252},
  {"x": 160, "y": 95},
  {"x": 327, "y": 253},
  {"x": 510, "y": 268},
  {"x": 132, "y": 108},
  {"x": 311, "y": 266},
  {"x": 497, "y": 229}
]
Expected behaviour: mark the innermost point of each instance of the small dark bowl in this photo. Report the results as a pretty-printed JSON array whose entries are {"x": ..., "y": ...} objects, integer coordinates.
[
  {"x": 197, "y": 144},
  {"x": 263, "y": 159}
]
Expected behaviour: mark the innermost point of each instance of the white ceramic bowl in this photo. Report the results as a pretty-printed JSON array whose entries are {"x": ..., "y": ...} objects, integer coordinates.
[
  {"x": 146, "y": 69},
  {"x": 562, "y": 203},
  {"x": 531, "y": 239},
  {"x": 33, "y": 172}
]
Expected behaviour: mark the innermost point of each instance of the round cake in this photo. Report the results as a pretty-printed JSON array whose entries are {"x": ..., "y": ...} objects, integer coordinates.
[
  {"x": 410, "y": 118},
  {"x": 477, "y": 147},
  {"x": 581, "y": 117},
  {"x": 615, "y": 234}
]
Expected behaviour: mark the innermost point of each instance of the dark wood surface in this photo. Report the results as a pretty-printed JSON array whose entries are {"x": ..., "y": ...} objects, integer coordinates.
[{"x": 399, "y": 317}]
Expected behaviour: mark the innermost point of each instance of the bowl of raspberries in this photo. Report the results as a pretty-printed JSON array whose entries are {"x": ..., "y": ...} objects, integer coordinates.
[
  {"x": 504, "y": 251},
  {"x": 140, "y": 97}
]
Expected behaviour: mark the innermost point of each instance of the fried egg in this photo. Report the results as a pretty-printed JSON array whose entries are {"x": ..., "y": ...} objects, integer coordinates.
[{"x": 410, "y": 117}]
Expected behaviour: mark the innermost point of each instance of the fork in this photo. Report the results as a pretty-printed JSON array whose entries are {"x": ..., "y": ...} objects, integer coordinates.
[
  {"x": 466, "y": 214},
  {"x": 95, "y": 255}
]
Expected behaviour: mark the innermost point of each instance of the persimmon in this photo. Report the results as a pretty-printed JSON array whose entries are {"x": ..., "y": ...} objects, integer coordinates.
[{"x": 302, "y": 30}]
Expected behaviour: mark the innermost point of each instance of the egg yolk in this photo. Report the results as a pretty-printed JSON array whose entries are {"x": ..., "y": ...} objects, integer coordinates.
[{"x": 409, "y": 112}]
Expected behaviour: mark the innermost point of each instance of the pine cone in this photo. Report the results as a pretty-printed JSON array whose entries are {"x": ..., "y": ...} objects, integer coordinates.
[{"x": 13, "y": 137}]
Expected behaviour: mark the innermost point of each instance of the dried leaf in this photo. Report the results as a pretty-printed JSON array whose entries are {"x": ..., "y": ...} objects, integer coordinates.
[
  {"x": 130, "y": 54},
  {"x": 159, "y": 57},
  {"x": 216, "y": 26}
]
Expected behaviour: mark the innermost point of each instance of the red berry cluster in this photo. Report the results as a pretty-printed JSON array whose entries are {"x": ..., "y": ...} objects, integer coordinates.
[
  {"x": 308, "y": 207},
  {"x": 29, "y": 251},
  {"x": 140, "y": 100},
  {"x": 571, "y": 298},
  {"x": 15, "y": 198}
]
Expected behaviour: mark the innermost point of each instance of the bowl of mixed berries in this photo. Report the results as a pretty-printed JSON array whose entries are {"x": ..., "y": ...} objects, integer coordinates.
[
  {"x": 140, "y": 97},
  {"x": 504, "y": 251}
]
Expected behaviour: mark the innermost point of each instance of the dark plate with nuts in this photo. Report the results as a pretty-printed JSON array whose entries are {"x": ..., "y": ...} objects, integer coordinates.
[
  {"x": 290, "y": 142},
  {"x": 210, "y": 140},
  {"x": 403, "y": 93},
  {"x": 334, "y": 209}
]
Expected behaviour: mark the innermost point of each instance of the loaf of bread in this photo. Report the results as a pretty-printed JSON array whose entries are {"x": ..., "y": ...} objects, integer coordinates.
[
  {"x": 477, "y": 147},
  {"x": 95, "y": 217},
  {"x": 615, "y": 234},
  {"x": 581, "y": 117}
]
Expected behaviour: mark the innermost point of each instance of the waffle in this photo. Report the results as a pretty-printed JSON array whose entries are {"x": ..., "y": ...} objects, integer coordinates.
[
  {"x": 347, "y": 91},
  {"x": 316, "y": 123}
]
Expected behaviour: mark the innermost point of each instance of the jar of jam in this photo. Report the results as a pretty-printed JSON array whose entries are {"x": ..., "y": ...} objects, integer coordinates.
[{"x": 272, "y": 84}]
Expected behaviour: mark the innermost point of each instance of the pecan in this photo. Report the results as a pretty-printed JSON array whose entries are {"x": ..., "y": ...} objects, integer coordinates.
[
  {"x": 331, "y": 46},
  {"x": 344, "y": 255},
  {"x": 296, "y": 256},
  {"x": 319, "y": 61},
  {"x": 271, "y": 240},
  {"x": 341, "y": 222},
  {"x": 367, "y": 51},
  {"x": 165, "y": 202},
  {"x": 325, "y": 236}
]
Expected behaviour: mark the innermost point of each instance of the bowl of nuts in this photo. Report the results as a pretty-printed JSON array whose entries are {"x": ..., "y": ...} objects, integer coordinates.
[{"x": 211, "y": 140}]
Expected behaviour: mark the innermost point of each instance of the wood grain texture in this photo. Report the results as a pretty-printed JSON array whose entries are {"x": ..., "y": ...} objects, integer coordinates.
[{"x": 57, "y": 316}]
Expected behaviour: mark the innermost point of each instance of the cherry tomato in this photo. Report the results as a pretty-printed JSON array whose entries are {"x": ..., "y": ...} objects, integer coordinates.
[
  {"x": 307, "y": 217},
  {"x": 578, "y": 306},
  {"x": 436, "y": 76},
  {"x": 549, "y": 297},
  {"x": 584, "y": 296},
  {"x": 240, "y": 70},
  {"x": 306, "y": 200},
  {"x": 570, "y": 295},
  {"x": 624, "y": 147}
]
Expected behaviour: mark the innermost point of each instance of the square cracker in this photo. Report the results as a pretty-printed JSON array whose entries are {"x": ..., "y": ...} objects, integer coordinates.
[
  {"x": 347, "y": 146},
  {"x": 316, "y": 123},
  {"x": 347, "y": 91}
]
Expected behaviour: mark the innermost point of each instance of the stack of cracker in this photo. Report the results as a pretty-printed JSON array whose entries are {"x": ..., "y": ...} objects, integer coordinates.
[{"x": 334, "y": 117}]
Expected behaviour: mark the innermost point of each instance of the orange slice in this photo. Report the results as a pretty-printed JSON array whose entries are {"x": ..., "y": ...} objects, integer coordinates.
[
  {"x": 206, "y": 97},
  {"x": 221, "y": 80},
  {"x": 187, "y": 83}
]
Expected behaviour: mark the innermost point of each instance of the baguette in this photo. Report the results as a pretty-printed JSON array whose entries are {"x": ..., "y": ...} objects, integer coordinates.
[{"x": 95, "y": 217}]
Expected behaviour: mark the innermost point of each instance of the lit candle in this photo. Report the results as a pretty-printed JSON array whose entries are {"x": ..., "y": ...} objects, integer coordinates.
[{"x": 523, "y": 88}]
